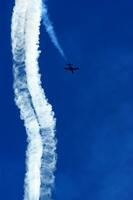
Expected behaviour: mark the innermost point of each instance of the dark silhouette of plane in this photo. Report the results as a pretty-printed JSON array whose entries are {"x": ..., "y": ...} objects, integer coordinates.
[{"x": 70, "y": 67}]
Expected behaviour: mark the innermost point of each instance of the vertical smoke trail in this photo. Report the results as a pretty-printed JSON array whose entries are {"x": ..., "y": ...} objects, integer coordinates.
[
  {"x": 50, "y": 30},
  {"x": 30, "y": 98},
  {"x": 34, "y": 150},
  {"x": 22, "y": 98},
  {"x": 43, "y": 109}
]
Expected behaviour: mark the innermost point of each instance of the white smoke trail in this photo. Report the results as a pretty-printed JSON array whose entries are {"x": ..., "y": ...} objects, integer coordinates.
[
  {"x": 34, "y": 151},
  {"x": 50, "y": 30},
  {"x": 30, "y": 98},
  {"x": 22, "y": 98},
  {"x": 43, "y": 109}
]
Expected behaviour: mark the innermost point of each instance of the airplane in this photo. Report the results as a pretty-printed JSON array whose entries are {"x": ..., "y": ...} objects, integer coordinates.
[{"x": 70, "y": 67}]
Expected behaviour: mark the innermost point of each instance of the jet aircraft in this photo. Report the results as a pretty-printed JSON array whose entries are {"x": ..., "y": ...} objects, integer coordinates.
[{"x": 70, "y": 67}]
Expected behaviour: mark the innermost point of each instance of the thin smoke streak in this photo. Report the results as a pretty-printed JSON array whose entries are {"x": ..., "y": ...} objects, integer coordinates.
[
  {"x": 31, "y": 100},
  {"x": 50, "y": 30}
]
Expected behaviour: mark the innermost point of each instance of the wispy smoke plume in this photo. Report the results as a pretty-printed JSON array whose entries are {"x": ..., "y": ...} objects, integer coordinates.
[
  {"x": 50, "y": 30},
  {"x": 30, "y": 98}
]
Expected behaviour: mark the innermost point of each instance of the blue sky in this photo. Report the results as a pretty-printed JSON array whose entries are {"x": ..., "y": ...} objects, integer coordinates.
[{"x": 94, "y": 108}]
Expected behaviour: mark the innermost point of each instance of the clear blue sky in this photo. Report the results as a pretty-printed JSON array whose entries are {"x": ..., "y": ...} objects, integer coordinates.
[{"x": 94, "y": 108}]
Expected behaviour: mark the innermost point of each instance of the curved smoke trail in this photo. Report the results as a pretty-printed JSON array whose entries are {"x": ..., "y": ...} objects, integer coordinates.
[
  {"x": 30, "y": 98},
  {"x": 50, "y": 30}
]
